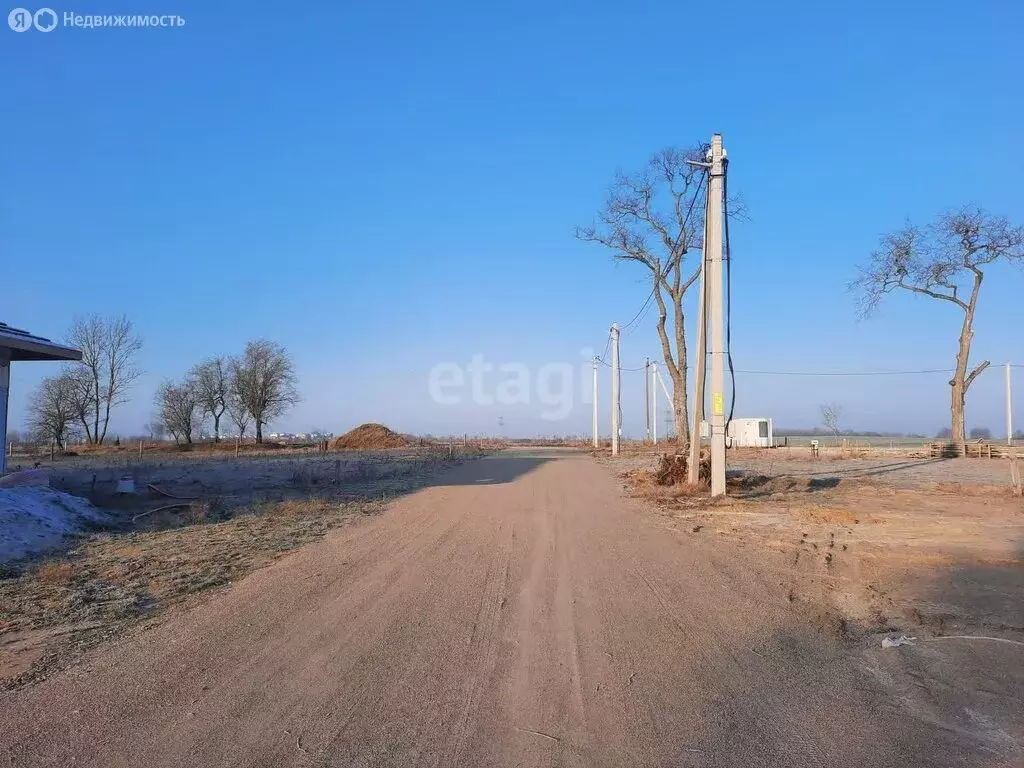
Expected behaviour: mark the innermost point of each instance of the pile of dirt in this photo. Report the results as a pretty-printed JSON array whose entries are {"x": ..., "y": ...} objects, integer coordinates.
[{"x": 370, "y": 437}]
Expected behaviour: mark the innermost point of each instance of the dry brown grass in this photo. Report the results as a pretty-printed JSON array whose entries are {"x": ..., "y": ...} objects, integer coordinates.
[
  {"x": 55, "y": 572},
  {"x": 112, "y": 582}
]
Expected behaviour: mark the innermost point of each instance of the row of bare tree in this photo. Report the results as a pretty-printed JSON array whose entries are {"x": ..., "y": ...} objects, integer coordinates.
[
  {"x": 649, "y": 219},
  {"x": 82, "y": 394},
  {"x": 76, "y": 403},
  {"x": 253, "y": 388}
]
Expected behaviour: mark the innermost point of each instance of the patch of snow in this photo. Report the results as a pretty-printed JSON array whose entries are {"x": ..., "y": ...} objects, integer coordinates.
[{"x": 35, "y": 518}]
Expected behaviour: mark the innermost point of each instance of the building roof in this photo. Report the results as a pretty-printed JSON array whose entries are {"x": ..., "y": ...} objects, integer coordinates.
[{"x": 24, "y": 346}]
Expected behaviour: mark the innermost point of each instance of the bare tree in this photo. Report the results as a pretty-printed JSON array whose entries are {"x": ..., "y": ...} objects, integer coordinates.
[
  {"x": 264, "y": 380},
  {"x": 831, "y": 413},
  {"x": 107, "y": 369},
  {"x": 240, "y": 416},
  {"x": 179, "y": 408},
  {"x": 649, "y": 218},
  {"x": 213, "y": 385},
  {"x": 52, "y": 409},
  {"x": 155, "y": 428},
  {"x": 944, "y": 261}
]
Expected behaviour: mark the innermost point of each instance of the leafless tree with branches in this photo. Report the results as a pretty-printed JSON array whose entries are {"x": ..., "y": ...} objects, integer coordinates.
[
  {"x": 944, "y": 261},
  {"x": 180, "y": 409},
  {"x": 107, "y": 370},
  {"x": 653, "y": 218},
  {"x": 831, "y": 413},
  {"x": 213, "y": 386},
  {"x": 265, "y": 382},
  {"x": 52, "y": 409}
]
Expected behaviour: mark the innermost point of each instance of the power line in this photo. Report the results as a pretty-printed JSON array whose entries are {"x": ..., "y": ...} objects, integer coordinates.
[
  {"x": 682, "y": 233},
  {"x": 728, "y": 292},
  {"x": 847, "y": 373},
  {"x": 621, "y": 368}
]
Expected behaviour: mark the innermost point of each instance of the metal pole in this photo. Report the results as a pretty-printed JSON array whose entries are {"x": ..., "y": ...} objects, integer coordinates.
[
  {"x": 713, "y": 243},
  {"x": 5, "y": 385},
  {"x": 654, "y": 401},
  {"x": 615, "y": 389},
  {"x": 693, "y": 467},
  {"x": 1009, "y": 408},
  {"x": 647, "y": 397},
  {"x": 593, "y": 425}
]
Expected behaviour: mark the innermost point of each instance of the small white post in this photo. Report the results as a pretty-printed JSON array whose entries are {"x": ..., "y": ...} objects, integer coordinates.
[
  {"x": 594, "y": 420},
  {"x": 654, "y": 402},
  {"x": 615, "y": 389}
]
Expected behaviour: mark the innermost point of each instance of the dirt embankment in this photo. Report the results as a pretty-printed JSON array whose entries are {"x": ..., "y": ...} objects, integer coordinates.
[{"x": 371, "y": 437}]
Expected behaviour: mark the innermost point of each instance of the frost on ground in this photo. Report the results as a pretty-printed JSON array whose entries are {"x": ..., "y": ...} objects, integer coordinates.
[{"x": 36, "y": 518}]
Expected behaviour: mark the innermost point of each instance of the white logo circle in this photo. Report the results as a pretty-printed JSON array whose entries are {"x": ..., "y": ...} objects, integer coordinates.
[
  {"x": 20, "y": 19},
  {"x": 43, "y": 22}
]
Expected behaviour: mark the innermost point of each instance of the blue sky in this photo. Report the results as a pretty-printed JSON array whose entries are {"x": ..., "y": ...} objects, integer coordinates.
[{"x": 383, "y": 187}]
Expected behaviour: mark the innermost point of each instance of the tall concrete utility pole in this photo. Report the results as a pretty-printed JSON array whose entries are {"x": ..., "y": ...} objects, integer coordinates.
[
  {"x": 647, "y": 396},
  {"x": 594, "y": 425},
  {"x": 693, "y": 467},
  {"x": 654, "y": 401},
  {"x": 1009, "y": 408},
  {"x": 713, "y": 244},
  {"x": 615, "y": 389}
]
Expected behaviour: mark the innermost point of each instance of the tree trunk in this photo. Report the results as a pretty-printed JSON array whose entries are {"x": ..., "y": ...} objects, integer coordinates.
[
  {"x": 259, "y": 431},
  {"x": 961, "y": 380},
  {"x": 957, "y": 411},
  {"x": 216, "y": 428},
  {"x": 96, "y": 417},
  {"x": 679, "y": 409},
  {"x": 679, "y": 393}
]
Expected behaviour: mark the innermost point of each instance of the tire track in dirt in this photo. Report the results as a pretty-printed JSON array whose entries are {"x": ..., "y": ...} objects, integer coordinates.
[{"x": 520, "y": 612}]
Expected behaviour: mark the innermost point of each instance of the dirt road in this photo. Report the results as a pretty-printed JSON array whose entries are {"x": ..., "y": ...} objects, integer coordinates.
[{"x": 518, "y": 613}]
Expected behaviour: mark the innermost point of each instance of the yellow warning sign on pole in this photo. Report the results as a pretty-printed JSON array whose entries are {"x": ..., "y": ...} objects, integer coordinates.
[{"x": 717, "y": 404}]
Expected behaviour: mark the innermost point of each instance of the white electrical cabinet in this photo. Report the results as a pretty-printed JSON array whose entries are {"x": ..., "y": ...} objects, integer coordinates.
[{"x": 745, "y": 433}]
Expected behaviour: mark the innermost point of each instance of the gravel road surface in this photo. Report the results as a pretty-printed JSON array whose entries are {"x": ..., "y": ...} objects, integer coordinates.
[{"x": 519, "y": 612}]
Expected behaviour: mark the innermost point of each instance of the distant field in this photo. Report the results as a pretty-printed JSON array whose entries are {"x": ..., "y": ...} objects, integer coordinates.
[{"x": 851, "y": 442}]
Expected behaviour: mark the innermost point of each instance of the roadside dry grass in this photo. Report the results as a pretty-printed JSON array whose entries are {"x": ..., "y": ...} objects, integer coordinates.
[{"x": 51, "y": 612}]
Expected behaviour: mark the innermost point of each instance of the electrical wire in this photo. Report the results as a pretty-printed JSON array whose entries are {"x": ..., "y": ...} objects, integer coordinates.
[
  {"x": 847, "y": 373},
  {"x": 609, "y": 365},
  {"x": 728, "y": 292},
  {"x": 607, "y": 345},
  {"x": 627, "y": 328}
]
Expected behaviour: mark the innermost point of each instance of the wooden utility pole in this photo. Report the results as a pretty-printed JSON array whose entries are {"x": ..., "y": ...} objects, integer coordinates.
[
  {"x": 615, "y": 389},
  {"x": 654, "y": 402},
  {"x": 713, "y": 243},
  {"x": 647, "y": 397},
  {"x": 593, "y": 426}
]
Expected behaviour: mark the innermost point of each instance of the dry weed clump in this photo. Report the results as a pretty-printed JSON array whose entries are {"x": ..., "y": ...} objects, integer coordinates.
[
  {"x": 55, "y": 572},
  {"x": 672, "y": 469}
]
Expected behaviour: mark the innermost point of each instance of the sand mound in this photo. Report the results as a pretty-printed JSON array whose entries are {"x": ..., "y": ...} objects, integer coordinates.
[
  {"x": 371, "y": 437},
  {"x": 35, "y": 518}
]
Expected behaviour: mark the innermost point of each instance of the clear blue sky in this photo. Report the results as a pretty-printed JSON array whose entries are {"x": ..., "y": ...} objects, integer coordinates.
[{"x": 386, "y": 186}]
